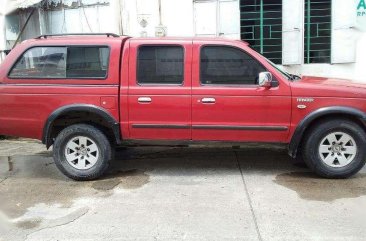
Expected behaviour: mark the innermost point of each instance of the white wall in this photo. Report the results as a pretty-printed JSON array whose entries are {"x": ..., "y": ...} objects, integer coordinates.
[
  {"x": 353, "y": 71},
  {"x": 83, "y": 20},
  {"x": 348, "y": 45},
  {"x": 217, "y": 18},
  {"x": 177, "y": 16},
  {"x": 180, "y": 18},
  {"x": 136, "y": 13}
]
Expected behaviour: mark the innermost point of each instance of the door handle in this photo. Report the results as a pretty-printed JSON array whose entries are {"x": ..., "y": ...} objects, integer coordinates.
[
  {"x": 144, "y": 99},
  {"x": 208, "y": 100}
]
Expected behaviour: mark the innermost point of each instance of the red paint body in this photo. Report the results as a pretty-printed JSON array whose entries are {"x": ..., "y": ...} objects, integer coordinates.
[{"x": 26, "y": 104}]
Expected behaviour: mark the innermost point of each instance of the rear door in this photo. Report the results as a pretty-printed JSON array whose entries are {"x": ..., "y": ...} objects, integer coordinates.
[{"x": 159, "y": 94}]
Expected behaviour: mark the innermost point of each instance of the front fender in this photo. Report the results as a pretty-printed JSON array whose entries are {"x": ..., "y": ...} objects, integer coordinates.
[{"x": 315, "y": 115}]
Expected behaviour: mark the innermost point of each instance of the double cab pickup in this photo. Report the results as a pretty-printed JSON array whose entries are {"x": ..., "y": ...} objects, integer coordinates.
[{"x": 86, "y": 94}]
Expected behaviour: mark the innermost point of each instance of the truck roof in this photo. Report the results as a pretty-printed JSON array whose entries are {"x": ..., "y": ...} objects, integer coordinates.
[
  {"x": 188, "y": 38},
  {"x": 106, "y": 37}
]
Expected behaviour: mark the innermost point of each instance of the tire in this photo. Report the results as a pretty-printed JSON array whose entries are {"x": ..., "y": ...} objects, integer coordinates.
[
  {"x": 82, "y": 152},
  {"x": 326, "y": 153}
]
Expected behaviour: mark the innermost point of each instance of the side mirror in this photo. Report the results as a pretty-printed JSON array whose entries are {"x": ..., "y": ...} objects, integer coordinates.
[{"x": 265, "y": 79}]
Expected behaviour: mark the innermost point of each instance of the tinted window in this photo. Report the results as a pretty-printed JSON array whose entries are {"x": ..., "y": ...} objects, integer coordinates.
[
  {"x": 62, "y": 62},
  {"x": 229, "y": 66},
  {"x": 87, "y": 62},
  {"x": 160, "y": 65},
  {"x": 41, "y": 62}
]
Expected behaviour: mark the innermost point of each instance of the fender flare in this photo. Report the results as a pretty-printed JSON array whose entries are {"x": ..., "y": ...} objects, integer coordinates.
[
  {"x": 322, "y": 112},
  {"x": 112, "y": 122}
]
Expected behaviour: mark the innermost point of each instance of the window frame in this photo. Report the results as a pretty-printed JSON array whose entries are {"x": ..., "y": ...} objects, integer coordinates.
[
  {"x": 229, "y": 85},
  {"x": 260, "y": 49},
  {"x": 160, "y": 45},
  {"x": 66, "y": 78},
  {"x": 307, "y": 34}
]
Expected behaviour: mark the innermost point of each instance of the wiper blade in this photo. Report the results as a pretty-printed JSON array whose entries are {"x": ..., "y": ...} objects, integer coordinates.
[{"x": 294, "y": 77}]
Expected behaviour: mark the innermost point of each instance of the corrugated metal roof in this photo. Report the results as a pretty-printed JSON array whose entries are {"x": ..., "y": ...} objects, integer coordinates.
[{"x": 11, "y": 5}]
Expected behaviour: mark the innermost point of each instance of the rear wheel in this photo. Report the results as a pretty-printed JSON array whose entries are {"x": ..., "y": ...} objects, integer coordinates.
[
  {"x": 82, "y": 152},
  {"x": 335, "y": 149}
]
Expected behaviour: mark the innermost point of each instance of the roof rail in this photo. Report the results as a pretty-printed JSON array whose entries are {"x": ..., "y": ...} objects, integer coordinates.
[{"x": 77, "y": 34}]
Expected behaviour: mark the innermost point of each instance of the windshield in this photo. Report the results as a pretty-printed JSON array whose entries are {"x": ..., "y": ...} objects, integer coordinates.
[{"x": 284, "y": 73}]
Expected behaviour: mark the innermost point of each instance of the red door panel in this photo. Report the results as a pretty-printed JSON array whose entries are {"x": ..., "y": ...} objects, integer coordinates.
[
  {"x": 159, "y": 111},
  {"x": 236, "y": 118},
  {"x": 238, "y": 113},
  {"x": 165, "y": 117}
]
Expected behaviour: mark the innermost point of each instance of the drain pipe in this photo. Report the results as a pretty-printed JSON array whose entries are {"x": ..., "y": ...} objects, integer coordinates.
[
  {"x": 160, "y": 22},
  {"x": 160, "y": 30},
  {"x": 24, "y": 26},
  {"x": 2, "y": 39}
]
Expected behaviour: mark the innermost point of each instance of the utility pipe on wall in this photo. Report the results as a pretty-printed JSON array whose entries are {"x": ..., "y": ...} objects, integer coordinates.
[
  {"x": 160, "y": 21},
  {"x": 23, "y": 28},
  {"x": 2, "y": 37}
]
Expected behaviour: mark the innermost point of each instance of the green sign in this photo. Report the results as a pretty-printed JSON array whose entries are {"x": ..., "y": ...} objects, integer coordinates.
[
  {"x": 361, "y": 15},
  {"x": 361, "y": 8}
]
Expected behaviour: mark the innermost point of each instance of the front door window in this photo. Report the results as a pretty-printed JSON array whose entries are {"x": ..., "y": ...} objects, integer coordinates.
[{"x": 228, "y": 66}]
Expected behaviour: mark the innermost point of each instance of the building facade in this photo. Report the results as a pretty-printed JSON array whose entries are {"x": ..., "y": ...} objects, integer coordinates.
[{"x": 318, "y": 37}]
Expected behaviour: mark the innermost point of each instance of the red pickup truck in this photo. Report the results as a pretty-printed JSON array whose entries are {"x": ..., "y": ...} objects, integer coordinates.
[{"x": 86, "y": 95}]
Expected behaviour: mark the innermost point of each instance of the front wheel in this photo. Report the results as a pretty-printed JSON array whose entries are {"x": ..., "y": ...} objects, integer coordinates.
[
  {"x": 82, "y": 152},
  {"x": 335, "y": 149}
]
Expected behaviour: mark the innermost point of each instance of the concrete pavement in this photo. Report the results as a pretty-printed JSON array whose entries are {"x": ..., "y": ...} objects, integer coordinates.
[{"x": 155, "y": 193}]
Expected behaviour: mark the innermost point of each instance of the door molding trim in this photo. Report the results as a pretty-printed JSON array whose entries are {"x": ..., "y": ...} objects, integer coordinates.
[
  {"x": 211, "y": 127},
  {"x": 161, "y": 126},
  {"x": 249, "y": 128}
]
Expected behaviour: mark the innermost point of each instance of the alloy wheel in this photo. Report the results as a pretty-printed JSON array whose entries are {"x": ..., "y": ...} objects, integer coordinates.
[
  {"x": 337, "y": 149},
  {"x": 81, "y": 152}
]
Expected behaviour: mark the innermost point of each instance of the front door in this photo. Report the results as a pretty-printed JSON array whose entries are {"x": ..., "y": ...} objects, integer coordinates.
[
  {"x": 228, "y": 104},
  {"x": 159, "y": 98}
]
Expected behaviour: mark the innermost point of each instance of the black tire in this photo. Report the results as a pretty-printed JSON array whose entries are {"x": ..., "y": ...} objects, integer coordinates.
[
  {"x": 313, "y": 141},
  {"x": 99, "y": 139}
]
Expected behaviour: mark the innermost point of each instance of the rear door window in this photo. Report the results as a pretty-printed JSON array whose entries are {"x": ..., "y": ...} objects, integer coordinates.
[
  {"x": 62, "y": 62},
  {"x": 160, "y": 65}
]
